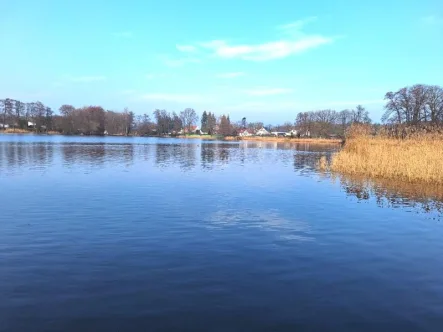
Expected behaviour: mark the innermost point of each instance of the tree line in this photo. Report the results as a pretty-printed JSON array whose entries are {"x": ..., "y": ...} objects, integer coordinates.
[{"x": 417, "y": 104}]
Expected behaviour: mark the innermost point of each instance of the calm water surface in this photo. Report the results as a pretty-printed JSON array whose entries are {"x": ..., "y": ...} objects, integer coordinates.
[{"x": 143, "y": 234}]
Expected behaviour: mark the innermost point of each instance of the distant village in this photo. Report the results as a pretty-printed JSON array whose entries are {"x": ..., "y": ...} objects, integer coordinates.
[
  {"x": 17, "y": 116},
  {"x": 407, "y": 106},
  {"x": 250, "y": 132}
]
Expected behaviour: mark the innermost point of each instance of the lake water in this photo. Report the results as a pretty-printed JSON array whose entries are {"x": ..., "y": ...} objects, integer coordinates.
[{"x": 145, "y": 234}]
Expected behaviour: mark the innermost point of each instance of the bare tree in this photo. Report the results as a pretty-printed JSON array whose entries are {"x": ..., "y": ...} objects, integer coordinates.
[
  {"x": 19, "y": 113},
  {"x": 344, "y": 120},
  {"x": 189, "y": 118},
  {"x": 37, "y": 112},
  {"x": 177, "y": 124},
  {"x": 164, "y": 121},
  {"x": 212, "y": 123},
  {"x": 304, "y": 122},
  {"x": 67, "y": 112},
  {"x": 7, "y": 110},
  {"x": 435, "y": 103},
  {"x": 360, "y": 115},
  {"x": 415, "y": 104},
  {"x": 325, "y": 120},
  {"x": 48, "y": 118}
]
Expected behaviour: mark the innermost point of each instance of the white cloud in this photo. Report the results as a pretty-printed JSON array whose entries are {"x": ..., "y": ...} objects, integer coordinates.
[
  {"x": 124, "y": 34},
  {"x": 268, "y": 91},
  {"x": 296, "y": 25},
  {"x": 186, "y": 48},
  {"x": 87, "y": 79},
  {"x": 266, "y": 51},
  {"x": 173, "y": 97},
  {"x": 292, "y": 42},
  {"x": 230, "y": 75}
]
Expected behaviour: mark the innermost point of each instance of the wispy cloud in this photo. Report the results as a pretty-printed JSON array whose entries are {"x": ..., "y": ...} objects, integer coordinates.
[
  {"x": 231, "y": 74},
  {"x": 174, "y": 97},
  {"x": 296, "y": 25},
  {"x": 292, "y": 42},
  {"x": 266, "y": 51},
  {"x": 431, "y": 20},
  {"x": 124, "y": 34},
  {"x": 268, "y": 91},
  {"x": 186, "y": 48},
  {"x": 87, "y": 79}
]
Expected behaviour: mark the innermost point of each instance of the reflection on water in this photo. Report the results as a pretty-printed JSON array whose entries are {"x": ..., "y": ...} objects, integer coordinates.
[
  {"x": 190, "y": 156},
  {"x": 394, "y": 194},
  {"x": 145, "y": 234},
  {"x": 287, "y": 229}
]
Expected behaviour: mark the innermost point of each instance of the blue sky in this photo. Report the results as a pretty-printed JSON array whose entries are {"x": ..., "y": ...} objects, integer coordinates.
[{"x": 266, "y": 60}]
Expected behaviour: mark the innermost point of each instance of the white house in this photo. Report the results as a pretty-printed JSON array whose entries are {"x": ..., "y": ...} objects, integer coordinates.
[
  {"x": 244, "y": 133},
  {"x": 262, "y": 132},
  {"x": 278, "y": 133},
  {"x": 292, "y": 133}
]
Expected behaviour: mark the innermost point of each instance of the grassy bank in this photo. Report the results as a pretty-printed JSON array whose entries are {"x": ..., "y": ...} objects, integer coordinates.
[
  {"x": 203, "y": 137},
  {"x": 416, "y": 158},
  {"x": 285, "y": 139},
  {"x": 27, "y": 131},
  {"x": 15, "y": 131}
]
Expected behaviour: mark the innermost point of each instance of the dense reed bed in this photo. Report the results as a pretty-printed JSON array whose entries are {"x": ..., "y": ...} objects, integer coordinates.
[{"x": 407, "y": 154}]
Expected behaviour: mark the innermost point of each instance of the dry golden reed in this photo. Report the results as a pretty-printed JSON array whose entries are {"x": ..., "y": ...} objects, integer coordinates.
[
  {"x": 15, "y": 131},
  {"x": 418, "y": 157}
]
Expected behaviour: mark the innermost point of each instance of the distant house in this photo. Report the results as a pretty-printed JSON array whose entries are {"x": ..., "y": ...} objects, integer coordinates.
[
  {"x": 193, "y": 130},
  {"x": 4, "y": 126},
  {"x": 278, "y": 133},
  {"x": 244, "y": 133},
  {"x": 262, "y": 132},
  {"x": 31, "y": 124},
  {"x": 292, "y": 133}
]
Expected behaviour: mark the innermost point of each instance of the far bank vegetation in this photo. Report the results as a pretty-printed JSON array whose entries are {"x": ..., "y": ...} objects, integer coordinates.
[
  {"x": 35, "y": 117},
  {"x": 409, "y": 147}
]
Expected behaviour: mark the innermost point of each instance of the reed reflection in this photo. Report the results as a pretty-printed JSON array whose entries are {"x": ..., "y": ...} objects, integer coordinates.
[{"x": 388, "y": 193}]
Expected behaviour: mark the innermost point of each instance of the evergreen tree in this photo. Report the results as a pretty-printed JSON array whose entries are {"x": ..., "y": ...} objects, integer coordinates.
[
  {"x": 204, "y": 122},
  {"x": 225, "y": 126}
]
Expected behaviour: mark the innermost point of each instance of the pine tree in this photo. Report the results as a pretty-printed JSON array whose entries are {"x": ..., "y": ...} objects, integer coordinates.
[{"x": 204, "y": 122}]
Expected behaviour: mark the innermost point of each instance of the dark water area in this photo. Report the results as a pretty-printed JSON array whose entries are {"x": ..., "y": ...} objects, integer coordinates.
[{"x": 144, "y": 234}]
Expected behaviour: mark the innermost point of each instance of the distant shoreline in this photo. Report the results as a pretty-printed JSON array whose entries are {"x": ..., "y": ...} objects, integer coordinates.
[
  {"x": 206, "y": 137},
  {"x": 286, "y": 139}
]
